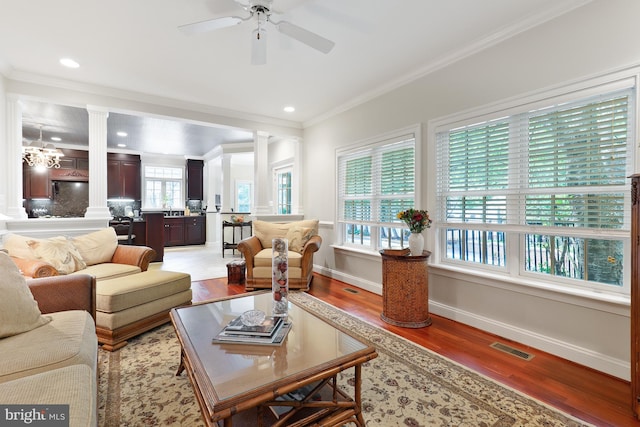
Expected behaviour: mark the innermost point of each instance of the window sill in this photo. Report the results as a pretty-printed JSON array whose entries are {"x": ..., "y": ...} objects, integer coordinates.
[{"x": 362, "y": 253}]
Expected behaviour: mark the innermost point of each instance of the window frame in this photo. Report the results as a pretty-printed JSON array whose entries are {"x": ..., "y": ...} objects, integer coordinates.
[
  {"x": 277, "y": 172},
  {"x": 145, "y": 179},
  {"x": 376, "y": 143},
  {"x": 239, "y": 183},
  {"x": 514, "y": 236}
]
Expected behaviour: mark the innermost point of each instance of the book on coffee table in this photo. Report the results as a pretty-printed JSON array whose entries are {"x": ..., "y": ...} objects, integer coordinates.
[
  {"x": 267, "y": 328},
  {"x": 277, "y": 338}
]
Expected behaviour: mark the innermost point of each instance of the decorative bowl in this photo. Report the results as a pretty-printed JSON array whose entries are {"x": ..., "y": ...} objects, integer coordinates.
[{"x": 253, "y": 317}]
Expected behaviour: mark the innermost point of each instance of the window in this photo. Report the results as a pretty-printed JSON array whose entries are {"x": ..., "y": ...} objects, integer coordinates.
[
  {"x": 244, "y": 195},
  {"x": 283, "y": 191},
  {"x": 540, "y": 193},
  {"x": 376, "y": 181},
  {"x": 163, "y": 187}
]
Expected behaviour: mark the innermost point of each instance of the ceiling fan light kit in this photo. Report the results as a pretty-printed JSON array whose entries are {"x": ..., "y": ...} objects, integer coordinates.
[
  {"x": 261, "y": 10},
  {"x": 259, "y": 47}
]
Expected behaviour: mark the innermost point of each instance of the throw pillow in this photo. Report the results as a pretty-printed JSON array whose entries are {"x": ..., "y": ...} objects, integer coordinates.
[
  {"x": 19, "y": 312},
  {"x": 267, "y": 231},
  {"x": 298, "y": 237},
  {"x": 59, "y": 252},
  {"x": 17, "y": 246},
  {"x": 97, "y": 247}
]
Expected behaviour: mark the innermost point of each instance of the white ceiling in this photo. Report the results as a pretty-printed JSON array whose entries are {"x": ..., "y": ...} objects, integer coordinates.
[{"x": 134, "y": 45}]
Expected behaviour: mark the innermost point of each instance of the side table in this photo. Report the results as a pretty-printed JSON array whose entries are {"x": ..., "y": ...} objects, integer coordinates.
[{"x": 405, "y": 289}]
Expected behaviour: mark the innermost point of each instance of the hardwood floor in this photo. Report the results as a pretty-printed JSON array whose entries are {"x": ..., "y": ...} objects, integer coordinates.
[{"x": 590, "y": 395}]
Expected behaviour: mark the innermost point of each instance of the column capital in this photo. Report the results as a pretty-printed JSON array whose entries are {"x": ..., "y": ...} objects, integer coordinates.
[{"x": 97, "y": 109}]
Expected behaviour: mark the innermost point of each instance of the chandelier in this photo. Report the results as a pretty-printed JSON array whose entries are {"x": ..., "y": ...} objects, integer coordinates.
[{"x": 41, "y": 156}]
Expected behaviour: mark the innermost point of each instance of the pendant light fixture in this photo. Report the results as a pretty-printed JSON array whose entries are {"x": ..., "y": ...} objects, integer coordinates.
[{"x": 41, "y": 156}]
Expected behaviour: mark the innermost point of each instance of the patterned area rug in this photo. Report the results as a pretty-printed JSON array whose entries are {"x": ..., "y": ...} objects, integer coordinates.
[{"x": 406, "y": 385}]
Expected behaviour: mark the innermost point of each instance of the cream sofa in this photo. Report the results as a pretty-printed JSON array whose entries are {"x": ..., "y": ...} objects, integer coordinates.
[
  {"x": 48, "y": 349},
  {"x": 303, "y": 241},
  {"x": 130, "y": 299}
]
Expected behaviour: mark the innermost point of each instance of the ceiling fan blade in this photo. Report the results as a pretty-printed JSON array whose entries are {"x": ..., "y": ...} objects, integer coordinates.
[
  {"x": 305, "y": 36},
  {"x": 210, "y": 25}
]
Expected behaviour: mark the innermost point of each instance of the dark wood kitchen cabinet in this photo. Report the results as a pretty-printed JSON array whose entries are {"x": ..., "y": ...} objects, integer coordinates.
[
  {"x": 35, "y": 184},
  {"x": 174, "y": 231},
  {"x": 195, "y": 232},
  {"x": 74, "y": 159},
  {"x": 74, "y": 166},
  {"x": 195, "y": 175},
  {"x": 123, "y": 176}
]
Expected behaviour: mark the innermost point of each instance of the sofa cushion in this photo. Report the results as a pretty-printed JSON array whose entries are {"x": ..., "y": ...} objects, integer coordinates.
[
  {"x": 72, "y": 385},
  {"x": 265, "y": 273},
  {"x": 69, "y": 339},
  {"x": 19, "y": 311},
  {"x": 267, "y": 231},
  {"x": 118, "y": 294},
  {"x": 109, "y": 270},
  {"x": 59, "y": 252},
  {"x": 118, "y": 319},
  {"x": 97, "y": 247},
  {"x": 265, "y": 256}
]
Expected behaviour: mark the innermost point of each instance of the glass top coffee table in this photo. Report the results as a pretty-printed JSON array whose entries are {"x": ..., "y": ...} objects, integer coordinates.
[{"x": 231, "y": 378}]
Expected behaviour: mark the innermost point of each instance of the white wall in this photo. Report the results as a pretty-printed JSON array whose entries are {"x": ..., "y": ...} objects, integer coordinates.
[
  {"x": 596, "y": 38},
  {"x": 3, "y": 148}
]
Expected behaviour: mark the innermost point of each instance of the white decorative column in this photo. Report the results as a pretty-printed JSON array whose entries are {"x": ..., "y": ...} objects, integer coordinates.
[
  {"x": 262, "y": 174},
  {"x": 226, "y": 201},
  {"x": 97, "y": 163},
  {"x": 14, "y": 159},
  {"x": 296, "y": 183}
]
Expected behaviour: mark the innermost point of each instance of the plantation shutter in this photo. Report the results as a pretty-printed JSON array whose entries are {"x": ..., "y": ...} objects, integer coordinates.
[
  {"x": 563, "y": 166},
  {"x": 397, "y": 180},
  {"x": 376, "y": 182},
  {"x": 578, "y": 155},
  {"x": 357, "y": 189}
]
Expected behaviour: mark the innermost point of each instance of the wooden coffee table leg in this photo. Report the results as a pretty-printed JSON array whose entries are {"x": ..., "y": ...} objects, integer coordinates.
[
  {"x": 181, "y": 366},
  {"x": 357, "y": 389}
]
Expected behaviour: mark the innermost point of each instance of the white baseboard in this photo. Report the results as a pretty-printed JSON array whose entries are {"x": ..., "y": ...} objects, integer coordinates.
[
  {"x": 367, "y": 285},
  {"x": 600, "y": 362}
]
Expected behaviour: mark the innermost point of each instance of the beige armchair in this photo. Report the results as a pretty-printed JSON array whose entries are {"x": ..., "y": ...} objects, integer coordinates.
[{"x": 303, "y": 242}]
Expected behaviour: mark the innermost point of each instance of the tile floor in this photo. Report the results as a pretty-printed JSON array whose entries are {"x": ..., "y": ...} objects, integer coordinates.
[{"x": 202, "y": 262}]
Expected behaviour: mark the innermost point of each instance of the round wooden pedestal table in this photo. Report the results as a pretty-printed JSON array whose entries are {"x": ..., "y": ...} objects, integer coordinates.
[{"x": 405, "y": 289}]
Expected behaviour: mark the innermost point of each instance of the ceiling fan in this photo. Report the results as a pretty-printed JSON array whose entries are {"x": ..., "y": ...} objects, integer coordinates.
[{"x": 261, "y": 10}]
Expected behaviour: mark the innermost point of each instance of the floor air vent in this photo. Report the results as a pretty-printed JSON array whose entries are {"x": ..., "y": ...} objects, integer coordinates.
[
  {"x": 353, "y": 291},
  {"x": 513, "y": 351}
]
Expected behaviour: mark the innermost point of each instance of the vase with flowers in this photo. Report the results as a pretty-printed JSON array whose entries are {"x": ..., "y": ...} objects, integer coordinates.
[{"x": 417, "y": 220}]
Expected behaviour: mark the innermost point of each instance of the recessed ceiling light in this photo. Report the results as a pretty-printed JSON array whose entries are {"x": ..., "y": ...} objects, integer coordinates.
[
  {"x": 289, "y": 109},
  {"x": 122, "y": 145},
  {"x": 68, "y": 62},
  {"x": 122, "y": 134},
  {"x": 56, "y": 138}
]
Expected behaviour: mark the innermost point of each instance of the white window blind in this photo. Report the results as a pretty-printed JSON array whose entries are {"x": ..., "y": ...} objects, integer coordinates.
[
  {"x": 378, "y": 182},
  {"x": 553, "y": 178},
  {"x": 375, "y": 182},
  {"x": 567, "y": 166}
]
